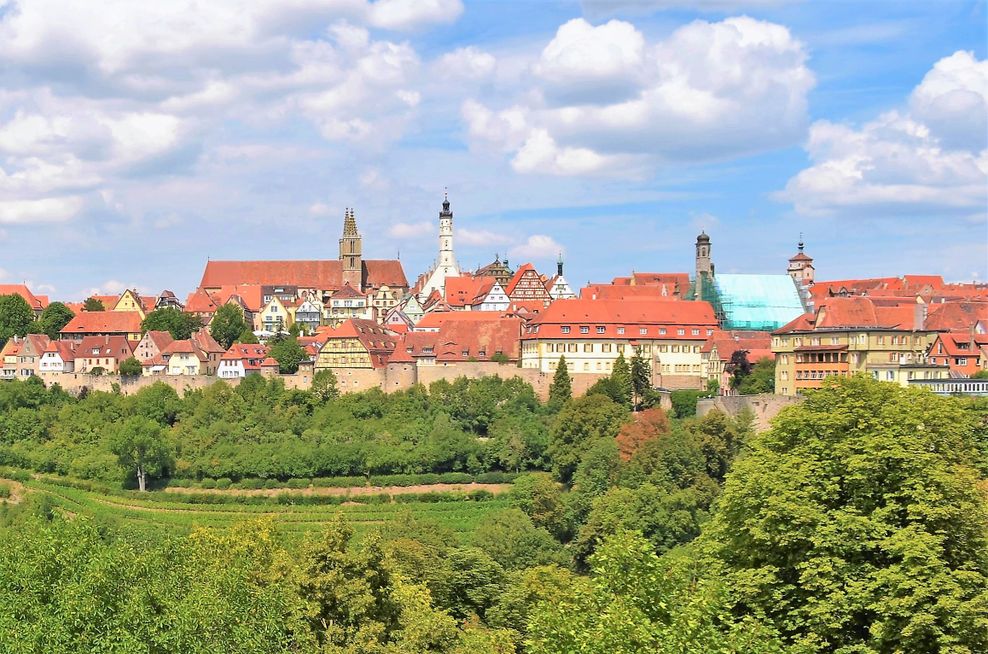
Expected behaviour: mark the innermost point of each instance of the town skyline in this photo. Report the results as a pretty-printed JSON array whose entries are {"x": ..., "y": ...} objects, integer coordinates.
[{"x": 135, "y": 155}]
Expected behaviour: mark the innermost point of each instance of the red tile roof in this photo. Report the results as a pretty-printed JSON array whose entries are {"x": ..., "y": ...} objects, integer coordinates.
[
  {"x": 199, "y": 301},
  {"x": 480, "y": 340},
  {"x": 348, "y": 293},
  {"x": 620, "y": 292},
  {"x": 65, "y": 349},
  {"x": 955, "y": 316},
  {"x": 103, "y": 322},
  {"x": 160, "y": 338},
  {"x": 467, "y": 290},
  {"x": 525, "y": 267},
  {"x": 758, "y": 345},
  {"x": 322, "y": 275},
  {"x": 107, "y": 347},
  {"x": 34, "y": 301},
  {"x": 612, "y": 315},
  {"x": 436, "y": 319},
  {"x": 250, "y": 355}
]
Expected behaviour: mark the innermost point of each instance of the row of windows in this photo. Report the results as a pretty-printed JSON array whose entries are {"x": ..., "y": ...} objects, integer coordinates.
[
  {"x": 861, "y": 339},
  {"x": 642, "y": 331},
  {"x": 817, "y": 374},
  {"x": 680, "y": 368}
]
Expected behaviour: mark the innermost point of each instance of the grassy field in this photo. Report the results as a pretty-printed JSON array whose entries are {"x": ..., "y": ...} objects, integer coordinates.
[{"x": 159, "y": 511}]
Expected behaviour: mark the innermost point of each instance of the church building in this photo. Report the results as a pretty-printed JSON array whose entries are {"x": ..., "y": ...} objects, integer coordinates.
[{"x": 382, "y": 281}]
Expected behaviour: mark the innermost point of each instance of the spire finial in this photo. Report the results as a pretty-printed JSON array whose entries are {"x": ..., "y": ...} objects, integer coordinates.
[{"x": 800, "y": 241}]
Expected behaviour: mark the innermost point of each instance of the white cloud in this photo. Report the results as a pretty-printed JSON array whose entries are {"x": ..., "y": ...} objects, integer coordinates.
[
  {"x": 466, "y": 63},
  {"x": 929, "y": 157},
  {"x": 44, "y": 210},
  {"x": 411, "y": 230},
  {"x": 410, "y": 14},
  {"x": 474, "y": 237},
  {"x": 607, "y": 7},
  {"x": 952, "y": 100},
  {"x": 113, "y": 287},
  {"x": 538, "y": 246},
  {"x": 596, "y": 65},
  {"x": 605, "y": 101}
]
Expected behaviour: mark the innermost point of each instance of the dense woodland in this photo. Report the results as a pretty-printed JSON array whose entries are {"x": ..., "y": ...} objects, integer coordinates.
[{"x": 856, "y": 524}]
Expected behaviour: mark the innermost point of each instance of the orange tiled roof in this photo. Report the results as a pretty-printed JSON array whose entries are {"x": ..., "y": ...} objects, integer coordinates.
[
  {"x": 107, "y": 347},
  {"x": 605, "y": 319},
  {"x": 103, "y": 322},
  {"x": 34, "y": 301},
  {"x": 323, "y": 275}
]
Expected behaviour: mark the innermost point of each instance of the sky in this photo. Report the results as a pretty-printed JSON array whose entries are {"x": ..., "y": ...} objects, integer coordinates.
[{"x": 138, "y": 140}]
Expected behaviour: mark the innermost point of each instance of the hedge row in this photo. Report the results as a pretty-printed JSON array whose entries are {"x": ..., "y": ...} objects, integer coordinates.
[{"x": 346, "y": 482}]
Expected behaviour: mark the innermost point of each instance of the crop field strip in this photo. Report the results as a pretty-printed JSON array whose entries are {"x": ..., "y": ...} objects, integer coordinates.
[{"x": 460, "y": 516}]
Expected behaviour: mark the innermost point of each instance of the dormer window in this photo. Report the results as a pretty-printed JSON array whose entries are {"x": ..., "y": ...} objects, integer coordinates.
[
  {"x": 584, "y": 329},
  {"x": 565, "y": 329},
  {"x": 600, "y": 329}
]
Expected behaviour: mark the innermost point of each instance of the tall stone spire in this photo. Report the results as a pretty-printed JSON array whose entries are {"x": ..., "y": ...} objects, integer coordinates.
[{"x": 350, "y": 252}]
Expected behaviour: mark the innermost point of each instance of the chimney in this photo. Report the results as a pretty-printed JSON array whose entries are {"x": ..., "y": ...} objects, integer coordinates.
[{"x": 919, "y": 317}]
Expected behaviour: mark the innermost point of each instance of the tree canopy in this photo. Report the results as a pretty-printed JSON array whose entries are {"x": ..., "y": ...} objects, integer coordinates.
[
  {"x": 561, "y": 389},
  {"x": 16, "y": 317},
  {"x": 289, "y": 354},
  {"x": 228, "y": 325},
  {"x": 176, "y": 322},
  {"x": 52, "y": 319},
  {"x": 856, "y": 523},
  {"x": 93, "y": 304}
]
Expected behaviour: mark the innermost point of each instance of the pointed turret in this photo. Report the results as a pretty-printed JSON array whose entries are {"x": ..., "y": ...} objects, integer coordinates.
[{"x": 350, "y": 252}]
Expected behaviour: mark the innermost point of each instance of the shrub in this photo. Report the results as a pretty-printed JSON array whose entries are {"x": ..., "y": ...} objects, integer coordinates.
[
  {"x": 4, "y": 491},
  {"x": 272, "y": 483},
  {"x": 299, "y": 483},
  {"x": 253, "y": 483},
  {"x": 208, "y": 483},
  {"x": 224, "y": 483}
]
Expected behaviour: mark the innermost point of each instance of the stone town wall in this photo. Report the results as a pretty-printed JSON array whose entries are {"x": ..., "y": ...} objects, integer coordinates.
[
  {"x": 764, "y": 406},
  {"x": 394, "y": 377}
]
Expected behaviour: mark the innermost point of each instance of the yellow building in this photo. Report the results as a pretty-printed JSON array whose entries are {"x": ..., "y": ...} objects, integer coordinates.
[
  {"x": 357, "y": 343},
  {"x": 591, "y": 334},
  {"x": 852, "y": 335},
  {"x": 130, "y": 301},
  {"x": 274, "y": 316}
]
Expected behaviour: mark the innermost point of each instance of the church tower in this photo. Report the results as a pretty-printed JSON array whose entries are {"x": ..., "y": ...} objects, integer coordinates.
[
  {"x": 801, "y": 266},
  {"x": 446, "y": 261},
  {"x": 350, "y": 252},
  {"x": 445, "y": 265},
  {"x": 704, "y": 265}
]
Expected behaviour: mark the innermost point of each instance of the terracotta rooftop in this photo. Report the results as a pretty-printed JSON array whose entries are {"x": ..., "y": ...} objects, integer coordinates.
[
  {"x": 104, "y": 322},
  {"x": 322, "y": 275}
]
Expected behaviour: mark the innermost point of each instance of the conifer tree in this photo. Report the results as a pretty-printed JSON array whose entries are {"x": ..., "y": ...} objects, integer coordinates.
[
  {"x": 561, "y": 390},
  {"x": 641, "y": 379},
  {"x": 621, "y": 376}
]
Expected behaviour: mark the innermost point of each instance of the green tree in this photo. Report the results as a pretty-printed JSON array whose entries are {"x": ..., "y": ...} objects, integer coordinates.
[
  {"x": 739, "y": 367},
  {"x": 510, "y": 538},
  {"x": 981, "y": 374},
  {"x": 93, "y": 304},
  {"x": 247, "y": 338},
  {"x": 131, "y": 367},
  {"x": 761, "y": 379},
  {"x": 621, "y": 377},
  {"x": 856, "y": 523},
  {"x": 641, "y": 380},
  {"x": 324, "y": 385},
  {"x": 289, "y": 354},
  {"x": 582, "y": 422},
  {"x": 16, "y": 317},
  {"x": 228, "y": 325},
  {"x": 141, "y": 449},
  {"x": 637, "y": 603},
  {"x": 176, "y": 322},
  {"x": 540, "y": 497},
  {"x": 561, "y": 389},
  {"x": 500, "y": 357},
  {"x": 55, "y": 316}
]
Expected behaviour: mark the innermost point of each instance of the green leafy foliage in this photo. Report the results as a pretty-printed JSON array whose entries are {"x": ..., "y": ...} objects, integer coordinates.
[
  {"x": 636, "y": 602},
  {"x": 856, "y": 523},
  {"x": 16, "y": 317},
  {"x": 52, "y": 319},
  {"x": 228, "y": 325},
  {"x": 130, "y": 367},
  {"x": 761, "y": 379},
  {"x": 578, "y": 426},
  {"x": 176, "y": 322},
  {"x": 289, "y": 354},
  {"x": 140, "y": 446},
  {"x": 561, "y": 389},
  {"x": 93, "y": 304}
]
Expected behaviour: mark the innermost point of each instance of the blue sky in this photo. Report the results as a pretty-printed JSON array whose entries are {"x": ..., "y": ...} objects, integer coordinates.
[{"x": 137, "y": 141}]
